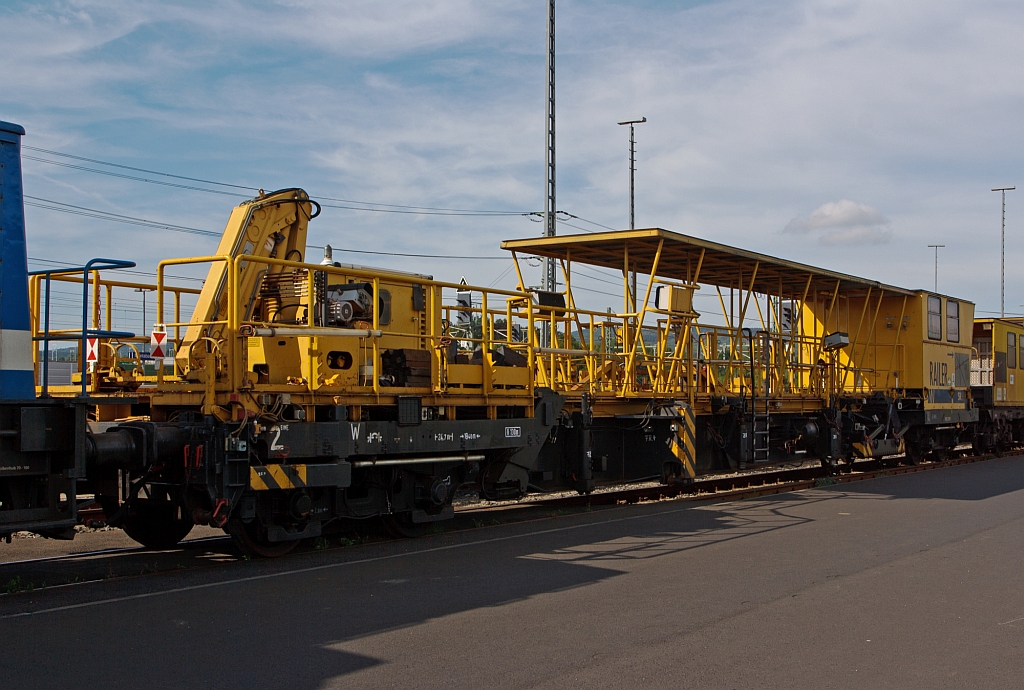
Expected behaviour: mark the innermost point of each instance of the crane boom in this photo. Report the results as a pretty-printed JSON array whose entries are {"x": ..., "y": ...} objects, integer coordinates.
[{"x": 271, "y": 225}]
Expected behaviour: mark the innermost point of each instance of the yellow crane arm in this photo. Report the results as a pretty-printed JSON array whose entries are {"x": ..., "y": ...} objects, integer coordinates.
[{"x": 271, "y": 225}]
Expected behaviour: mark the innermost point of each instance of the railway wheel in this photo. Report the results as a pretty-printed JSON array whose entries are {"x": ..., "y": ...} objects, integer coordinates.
[
  {"x": 913, "y": 453},
  {"x": 156, "y": 524},
  {"x": 401, "y": 525},
  {"x": 251, "y": 539}
]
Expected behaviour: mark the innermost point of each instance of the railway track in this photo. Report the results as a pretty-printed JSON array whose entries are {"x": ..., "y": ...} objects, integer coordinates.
[
  {"x": 740, "y": 485},
  {"x": 111, "y": 563}
]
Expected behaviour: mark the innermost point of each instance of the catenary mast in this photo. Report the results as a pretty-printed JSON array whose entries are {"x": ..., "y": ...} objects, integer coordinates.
[{"x": 550, "y": 209}]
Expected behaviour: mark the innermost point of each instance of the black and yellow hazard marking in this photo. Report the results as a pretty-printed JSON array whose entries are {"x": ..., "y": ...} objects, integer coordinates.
[
  {"x": 267, "y": 477},
  {"x": 681, "y": 443}
]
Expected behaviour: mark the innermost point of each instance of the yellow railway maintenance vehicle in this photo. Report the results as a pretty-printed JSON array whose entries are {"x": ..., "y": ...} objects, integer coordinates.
[
  {"x": 997, "y": 383},
  {"x": 808, "y": 362},
  {"x": 306, "y": 393}
]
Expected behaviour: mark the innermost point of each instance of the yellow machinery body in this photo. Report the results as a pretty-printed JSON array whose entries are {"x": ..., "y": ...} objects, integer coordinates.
[
  {"x": 997, "y": 370},
  {"x": 301, "y": 392},
  {"x": 255, "y": 332}
]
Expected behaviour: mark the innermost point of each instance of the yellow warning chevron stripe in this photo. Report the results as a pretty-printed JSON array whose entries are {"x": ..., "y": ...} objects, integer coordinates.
[
  {"x": 267, "y": 477},
  {"x": 682, "y": 444},
  {"x": 683, "y": 454},
  {"x": 256, "y": 479}
]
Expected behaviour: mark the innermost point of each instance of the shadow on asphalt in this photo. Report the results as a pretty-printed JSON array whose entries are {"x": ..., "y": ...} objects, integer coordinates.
[
  {"x": 275, "y": 632},
  {"x": 974, "y": 482},
  {"x": 288, "y": 629},
  {"x": 283, "y": 623},
  {"x": 88, "y": 567}
]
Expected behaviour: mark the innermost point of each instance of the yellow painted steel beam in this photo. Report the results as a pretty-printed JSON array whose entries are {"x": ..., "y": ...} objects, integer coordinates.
[
  {"x": 519, "y": 273},
  {"x": 856, "y": 341},
  {"x": 896, "y": 342},
  {"x": 631, "y": 360},
  {"x": 824, "y": 324},
  {"x": 700, "y": 264}
]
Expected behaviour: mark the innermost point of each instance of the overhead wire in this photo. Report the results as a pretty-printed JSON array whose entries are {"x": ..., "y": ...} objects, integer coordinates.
[
  {"x": 537, "y": 216},
  {"x": 134, "y": 178},
  {"x": 122, "y": 270},
  {"x": 142, "y": 170},
  {"x": 426, "y": 208},
  {"x": 582, "y": 274},
  {"x": 422, "y": 256},
  {"x": 606, "y": 227},
  {"x": 72, "y": 209},
  {"x": 424, "y": 213},
  {"x": 52, "y": 205},
  {"x": 574, "y": 226},
  {"x": 131, "y": 220},
  {"x": 599, "y": 292},
  {"x": 500, "y": 277},
  {"x": 361, "y": 205}
]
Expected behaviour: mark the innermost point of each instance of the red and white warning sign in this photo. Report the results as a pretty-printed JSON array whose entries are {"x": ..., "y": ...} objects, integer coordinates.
[
  {"x": 92, "y": 349},
  {"x": 158, "y": 344}
]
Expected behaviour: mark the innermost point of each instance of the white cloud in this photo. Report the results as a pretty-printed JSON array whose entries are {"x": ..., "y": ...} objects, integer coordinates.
[
  {"x": 843, "y": 222},
  {"x": 856, "y": 235},
  {"x": 754, "y": 109}
]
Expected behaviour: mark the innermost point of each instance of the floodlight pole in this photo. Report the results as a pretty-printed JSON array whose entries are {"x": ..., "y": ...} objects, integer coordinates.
[
  {"x": 936, "y": 264},
  {"x": 632, "y": 213},
  {"x": 632, "y": 166},
  {"x": 1002, "y": 254}
]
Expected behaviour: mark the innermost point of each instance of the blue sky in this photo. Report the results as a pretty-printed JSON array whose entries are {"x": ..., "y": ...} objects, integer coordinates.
[{"x": 846, "y": 134}]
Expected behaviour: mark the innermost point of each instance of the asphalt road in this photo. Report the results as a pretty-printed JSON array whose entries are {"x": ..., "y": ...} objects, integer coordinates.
[{"x": 911, "y": 581}]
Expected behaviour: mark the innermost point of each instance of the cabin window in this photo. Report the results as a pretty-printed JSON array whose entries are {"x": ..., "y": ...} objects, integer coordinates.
[
  {"x": 934, "y": 317},
  {"x": 1011, "y": 350},
  {"x": 953, "y": 321}
]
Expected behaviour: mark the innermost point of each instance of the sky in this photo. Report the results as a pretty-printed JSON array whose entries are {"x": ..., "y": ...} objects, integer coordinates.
[{"x": 844, "y": 134}]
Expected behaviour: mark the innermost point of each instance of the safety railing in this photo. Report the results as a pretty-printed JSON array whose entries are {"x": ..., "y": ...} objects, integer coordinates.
[
  {"x": 82, "y": 335},
  {"x": 97, "y": 320},
  {"x": 487, "y": 341},
  {"x": 225, "y": 325}
]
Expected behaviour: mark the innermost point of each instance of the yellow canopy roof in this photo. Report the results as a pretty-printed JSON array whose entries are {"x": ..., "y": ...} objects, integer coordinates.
[{"x": 720, "y": 265}]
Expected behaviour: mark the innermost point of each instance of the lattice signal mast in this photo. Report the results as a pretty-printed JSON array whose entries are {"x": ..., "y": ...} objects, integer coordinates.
[{"x": 550, "y": 209}]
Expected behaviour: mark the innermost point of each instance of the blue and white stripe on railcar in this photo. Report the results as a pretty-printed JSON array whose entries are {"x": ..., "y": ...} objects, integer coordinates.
[{"x": 16, "y": 377}]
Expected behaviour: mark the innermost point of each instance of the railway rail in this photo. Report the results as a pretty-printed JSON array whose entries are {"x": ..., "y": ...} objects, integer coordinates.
[
  {"x": 745, "y": 485},
  {"x": 133, "y": 561},
  {"x": 741, "y": 485}
]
